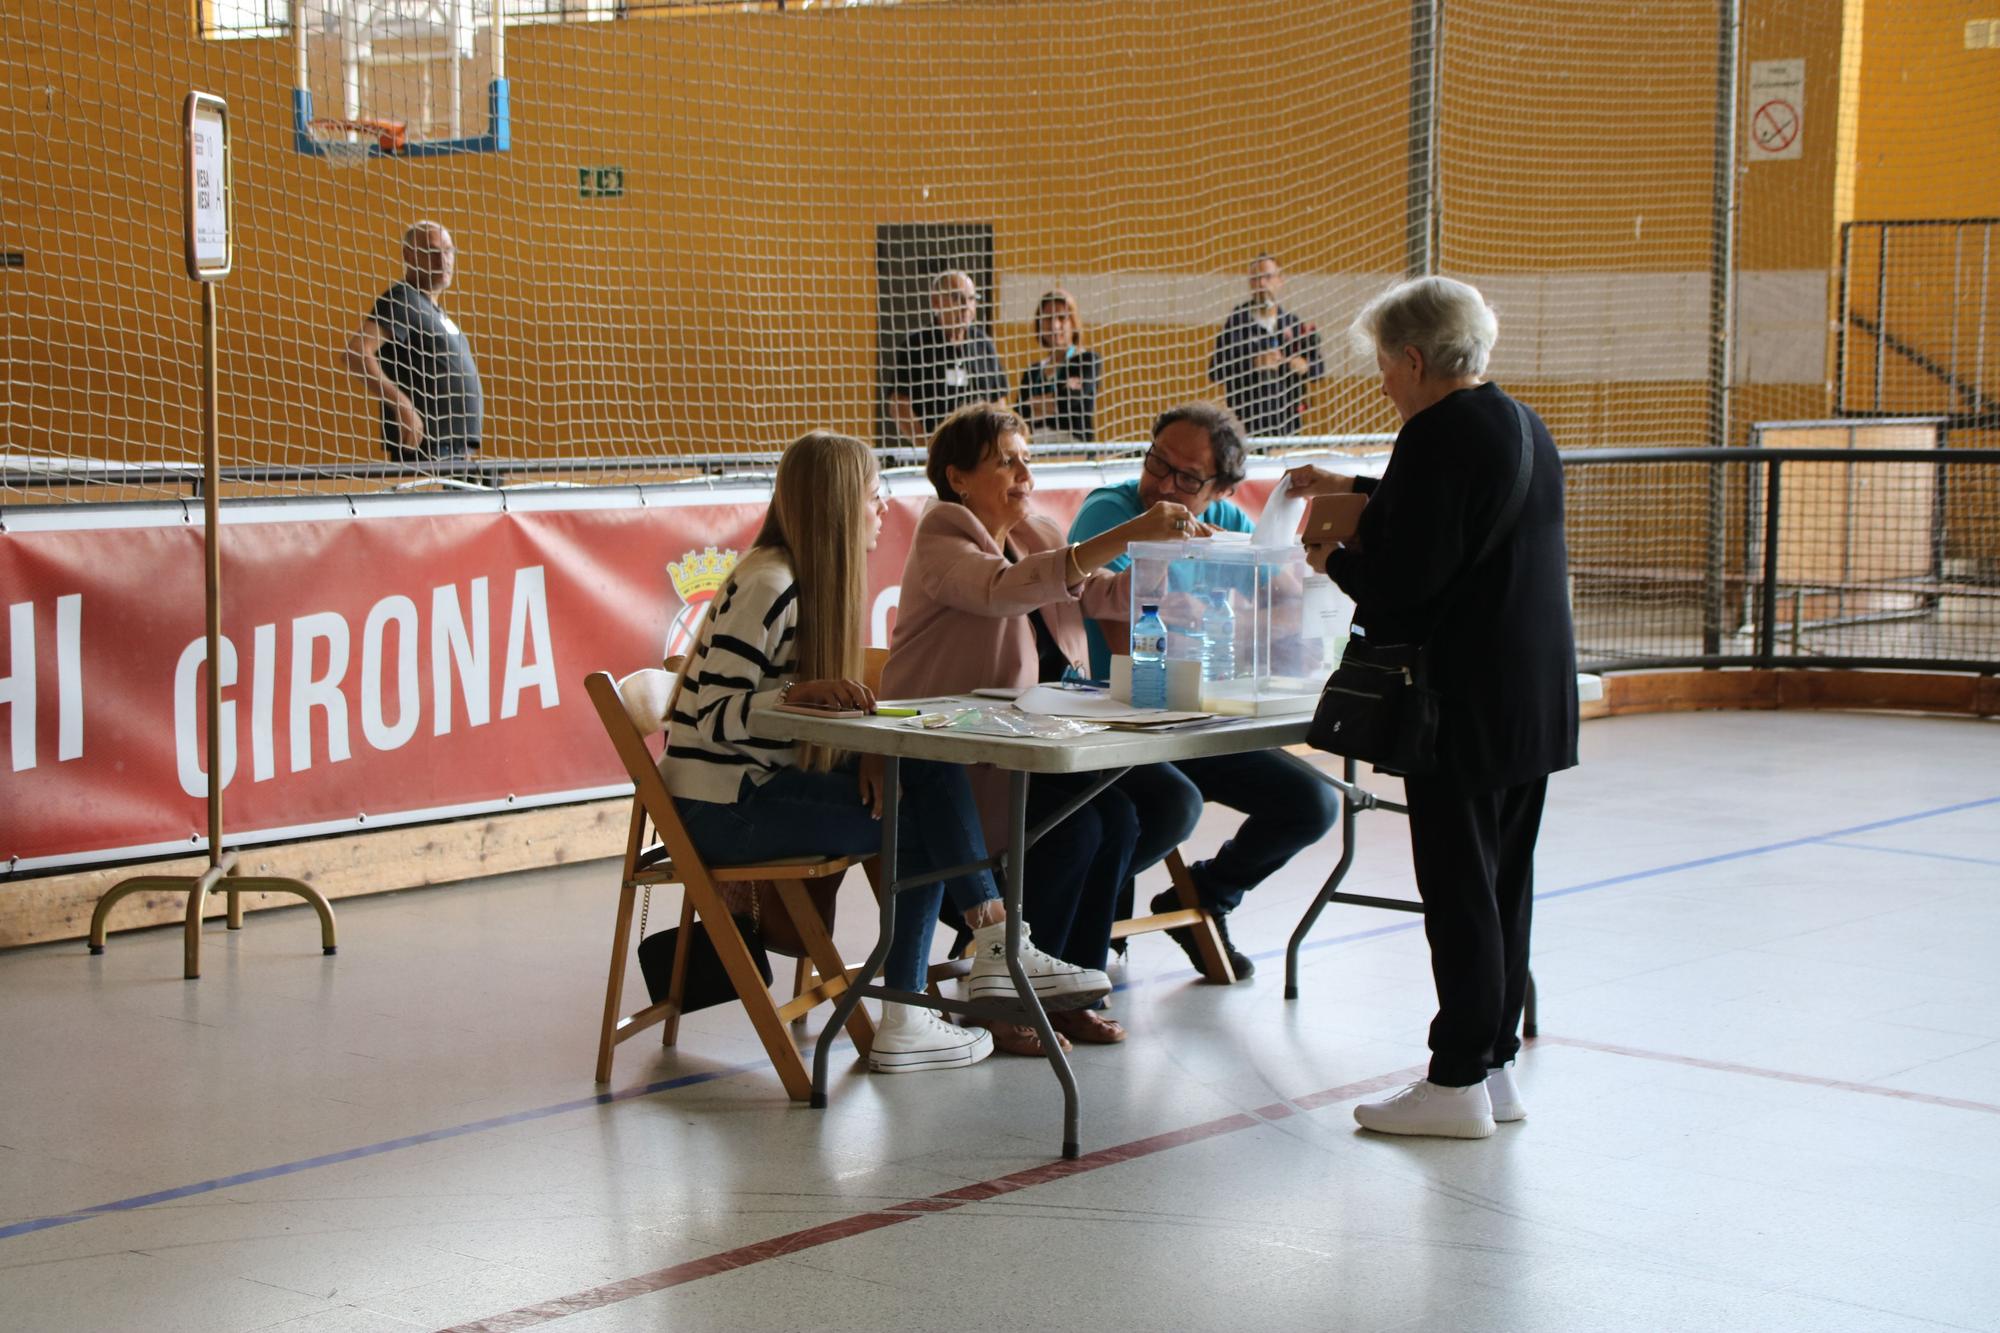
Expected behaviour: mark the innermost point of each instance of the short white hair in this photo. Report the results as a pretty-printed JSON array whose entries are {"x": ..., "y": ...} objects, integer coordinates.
[
  {"x": 1445, "y": 319},
  {"x": 951, "y": 277}
]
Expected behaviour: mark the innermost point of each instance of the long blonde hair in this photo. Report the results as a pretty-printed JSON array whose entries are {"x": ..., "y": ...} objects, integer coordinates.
[{"x": 815, "y": 524}]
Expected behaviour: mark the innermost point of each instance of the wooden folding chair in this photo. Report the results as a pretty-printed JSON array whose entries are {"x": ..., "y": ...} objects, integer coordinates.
[
  {"x": 632, "y": 710},
  {"x": 1207, "y": 942}
]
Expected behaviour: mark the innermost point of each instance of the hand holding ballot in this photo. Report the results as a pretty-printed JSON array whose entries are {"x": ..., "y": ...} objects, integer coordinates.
[{"x": 1308, "y": 480}]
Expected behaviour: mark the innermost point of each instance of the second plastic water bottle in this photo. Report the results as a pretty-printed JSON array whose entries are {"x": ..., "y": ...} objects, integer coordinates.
[
  {"x": 1149, "y": 659},
  {"x": 1218, "y": 627}
]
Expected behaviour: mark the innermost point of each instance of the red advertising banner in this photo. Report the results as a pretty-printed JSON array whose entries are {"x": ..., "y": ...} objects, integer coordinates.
[{"x": 376, "y": 669}]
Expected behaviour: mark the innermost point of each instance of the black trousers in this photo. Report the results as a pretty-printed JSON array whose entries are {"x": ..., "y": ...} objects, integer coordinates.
[{"x": 1475, "y": 861}]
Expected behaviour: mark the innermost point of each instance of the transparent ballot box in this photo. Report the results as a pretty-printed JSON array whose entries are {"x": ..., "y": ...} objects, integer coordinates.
[{"x": 1256, "y": 617}]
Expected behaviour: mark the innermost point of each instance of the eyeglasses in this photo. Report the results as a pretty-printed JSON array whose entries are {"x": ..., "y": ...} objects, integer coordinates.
[{"x": 1187, "y": 482}]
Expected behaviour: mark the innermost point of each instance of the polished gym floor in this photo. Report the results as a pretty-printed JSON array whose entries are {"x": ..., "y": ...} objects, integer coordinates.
[{"x": 1766, "y": 1096}]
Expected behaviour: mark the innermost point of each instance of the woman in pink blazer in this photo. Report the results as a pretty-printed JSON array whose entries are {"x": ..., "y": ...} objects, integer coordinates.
[{"x": 994, "y": 596}]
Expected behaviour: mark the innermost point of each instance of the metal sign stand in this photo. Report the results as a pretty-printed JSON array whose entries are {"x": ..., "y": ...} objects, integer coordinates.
[{"x": 206, "y": 187}]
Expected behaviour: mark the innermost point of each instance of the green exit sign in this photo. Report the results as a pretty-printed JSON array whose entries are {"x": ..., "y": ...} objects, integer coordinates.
[{"x": 600, "y": 182}]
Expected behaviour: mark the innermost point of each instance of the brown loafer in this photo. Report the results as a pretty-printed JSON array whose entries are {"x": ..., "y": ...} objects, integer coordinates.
[
  {"x": 1020, "y": 1039},
  {"x": 1088, "y": 1025}
]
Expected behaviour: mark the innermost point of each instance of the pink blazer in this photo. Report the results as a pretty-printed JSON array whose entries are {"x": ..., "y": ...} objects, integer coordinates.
[{"x": 963, "y": 621}]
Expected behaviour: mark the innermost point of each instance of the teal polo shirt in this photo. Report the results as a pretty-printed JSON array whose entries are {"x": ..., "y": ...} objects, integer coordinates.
[{"x": 1104, "y": 509}]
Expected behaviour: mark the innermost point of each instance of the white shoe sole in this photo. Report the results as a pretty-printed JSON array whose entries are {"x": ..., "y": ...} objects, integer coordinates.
[
  {"x": 941, "y": 1057},
  {"x": 1435, "y": 1129},
  {"x": 1509, "y": 1115},
  {"x": 1073, "y": 989}
]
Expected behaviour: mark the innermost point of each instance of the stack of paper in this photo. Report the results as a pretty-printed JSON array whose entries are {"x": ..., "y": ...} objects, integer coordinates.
[{"x": 1097, "y": 705}]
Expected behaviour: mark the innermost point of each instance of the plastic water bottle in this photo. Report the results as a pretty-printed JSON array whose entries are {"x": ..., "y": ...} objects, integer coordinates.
[
  {"x": 1218, "y": 628},
  {"x": 1149, "y": 659}
]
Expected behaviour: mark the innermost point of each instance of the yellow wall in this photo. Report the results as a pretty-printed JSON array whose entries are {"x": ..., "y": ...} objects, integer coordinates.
[
  {"x": 728, "y": 299},
  {"x": 1928, "y": 142}
]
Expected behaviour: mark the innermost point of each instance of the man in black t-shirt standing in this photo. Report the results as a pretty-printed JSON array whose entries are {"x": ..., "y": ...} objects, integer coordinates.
[
  {"x": 945, "y": 365},
  {"x": 1265, "y": 356},
  {"x": 412, "y": 357}
]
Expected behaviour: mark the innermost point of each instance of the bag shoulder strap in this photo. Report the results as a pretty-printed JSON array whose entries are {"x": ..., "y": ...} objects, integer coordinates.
[{"x": 1517, "y": 498}]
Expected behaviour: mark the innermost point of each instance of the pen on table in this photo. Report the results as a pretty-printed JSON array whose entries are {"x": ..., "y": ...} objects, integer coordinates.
[{"x": 895, "y": 712}]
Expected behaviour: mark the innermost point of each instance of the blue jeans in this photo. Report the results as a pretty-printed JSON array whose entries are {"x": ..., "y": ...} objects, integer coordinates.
[
  {"x": 1290, "y": 809},
  {"x": 801, "y": 813},
  {"x": 1071, "y": 878}
]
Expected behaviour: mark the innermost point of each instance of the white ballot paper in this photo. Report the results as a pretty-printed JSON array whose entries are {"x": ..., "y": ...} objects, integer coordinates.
[
  {"x": 1094, "y": 705},
  {"x": 1278, "y": 525}
]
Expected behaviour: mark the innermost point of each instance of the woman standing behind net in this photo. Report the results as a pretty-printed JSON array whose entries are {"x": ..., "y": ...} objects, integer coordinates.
[
  {"x": 1501, "y": 655},
  {"x": 1058, "y": 395}
]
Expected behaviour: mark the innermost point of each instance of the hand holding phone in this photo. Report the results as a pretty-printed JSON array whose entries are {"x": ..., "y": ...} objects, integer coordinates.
[
  {"x": 822, "y": 697},
  {"x": 821, "y": 710},
  {"x": 1332, "y": 519}
]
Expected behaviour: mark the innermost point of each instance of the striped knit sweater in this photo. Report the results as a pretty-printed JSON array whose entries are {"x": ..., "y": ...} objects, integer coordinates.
[{"x": 746, "y": 654}]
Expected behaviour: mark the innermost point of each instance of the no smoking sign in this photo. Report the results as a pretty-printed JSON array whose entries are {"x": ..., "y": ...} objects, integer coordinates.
[
  {"x": 1777, "y": 104},
  {"x": 1775, "y": 126}
]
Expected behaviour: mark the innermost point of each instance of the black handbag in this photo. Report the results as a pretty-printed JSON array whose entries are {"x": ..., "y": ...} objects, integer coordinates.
[
  {"x": 1378, "y": 705},
  {"x": 707, "y": 982}
]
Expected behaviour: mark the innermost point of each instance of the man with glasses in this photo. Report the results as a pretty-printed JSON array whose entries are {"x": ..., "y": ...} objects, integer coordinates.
[
  {"x": 946, "y": 364},
  {"x": 1196, "y": 460},
  {"x": 1265, "y": 356}
]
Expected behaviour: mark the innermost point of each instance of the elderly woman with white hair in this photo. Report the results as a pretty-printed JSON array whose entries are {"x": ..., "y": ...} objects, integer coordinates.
[{"x": 1461, "y": 550}]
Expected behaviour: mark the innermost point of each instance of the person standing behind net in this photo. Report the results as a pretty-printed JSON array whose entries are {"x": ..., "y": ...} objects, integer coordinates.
[
  {"x": 1501, "y": 654},
  {"x": 1059, "y": 393},
  {"x": 946, "y": 364},
  {"x": 412, "y": 356},
  {"x": 1265, "y": 356}
]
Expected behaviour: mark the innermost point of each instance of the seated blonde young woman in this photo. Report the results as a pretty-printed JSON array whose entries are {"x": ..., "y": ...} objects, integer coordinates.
[{"x": 788, "y": 626}]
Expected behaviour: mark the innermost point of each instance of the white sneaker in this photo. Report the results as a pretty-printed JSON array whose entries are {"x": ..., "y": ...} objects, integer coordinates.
[
  {"x": 1429, "y": 1108},
  {"x": 1506, "y": 1098},
  {"x": 1060, "y": 985},
  {"x": 911, "y": 1038}
]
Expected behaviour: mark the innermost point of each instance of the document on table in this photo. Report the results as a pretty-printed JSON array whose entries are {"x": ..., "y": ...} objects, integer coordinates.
[{"x": 1096, "y": 706}]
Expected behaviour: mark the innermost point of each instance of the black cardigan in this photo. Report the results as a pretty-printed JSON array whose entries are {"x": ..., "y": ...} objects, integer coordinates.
[{"x": 1502, "y": 651}]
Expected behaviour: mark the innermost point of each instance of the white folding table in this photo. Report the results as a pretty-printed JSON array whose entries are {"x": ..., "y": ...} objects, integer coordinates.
[{"x": 1108, "y": 753}]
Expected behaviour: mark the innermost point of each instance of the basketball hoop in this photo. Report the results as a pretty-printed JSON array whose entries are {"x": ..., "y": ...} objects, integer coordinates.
[{"x": 349, "y": 143}]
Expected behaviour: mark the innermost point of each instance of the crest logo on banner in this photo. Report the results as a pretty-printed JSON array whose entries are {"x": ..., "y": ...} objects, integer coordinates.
[{"x": 697, "y": 577}]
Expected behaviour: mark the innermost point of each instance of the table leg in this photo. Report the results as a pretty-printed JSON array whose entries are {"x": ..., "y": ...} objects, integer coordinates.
[
  {"x": 1348, "y": 808},
  {"x": 843, "y": 1008},
  {"x": 1017, "y": 846}
]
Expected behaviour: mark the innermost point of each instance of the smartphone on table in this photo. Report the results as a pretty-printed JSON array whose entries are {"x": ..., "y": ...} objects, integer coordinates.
[{"x": 822, "y": 710}]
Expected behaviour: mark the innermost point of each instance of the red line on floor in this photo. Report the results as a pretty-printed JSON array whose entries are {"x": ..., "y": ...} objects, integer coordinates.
[
  {"x": 595, "y": 1298},
  {"x": 1312, "y": 1101},
  {"x": 1779, "y": 1075}
]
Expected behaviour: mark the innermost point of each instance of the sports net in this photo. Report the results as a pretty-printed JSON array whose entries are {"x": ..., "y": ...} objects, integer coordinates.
[{"x": 687, "y": 232}]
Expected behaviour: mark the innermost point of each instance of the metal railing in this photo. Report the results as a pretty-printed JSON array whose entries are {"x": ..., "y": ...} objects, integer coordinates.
[
  {"x": 1919, "y": 326},
  {"x": 1856, "y": 558},
  {"x": 1852, "y": 557}
]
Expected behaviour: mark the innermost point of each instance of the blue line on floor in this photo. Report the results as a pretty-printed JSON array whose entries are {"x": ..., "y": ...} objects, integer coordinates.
[
  {"x": 1912, "y": 851},
  {"x": 689, "y": 1080},
  {"x": 1787, "y": 845},
  {"x": 371, "y": 1150},
  {"x": 1821, "y": 839}
]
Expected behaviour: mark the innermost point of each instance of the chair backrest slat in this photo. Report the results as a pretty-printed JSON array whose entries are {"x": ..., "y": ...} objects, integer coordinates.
[{"x": 650, "y": 788}]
